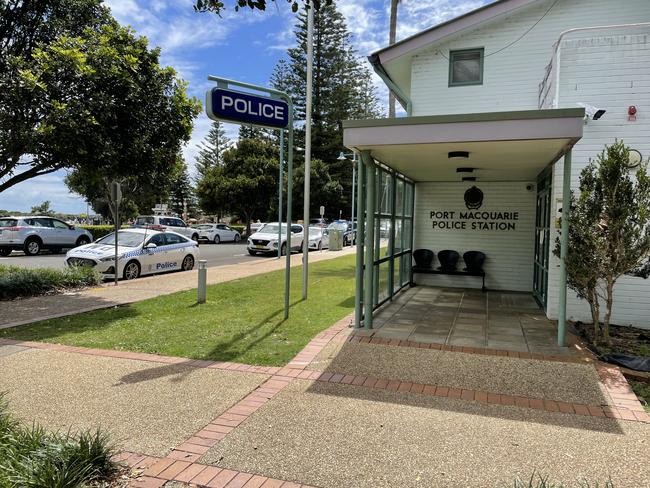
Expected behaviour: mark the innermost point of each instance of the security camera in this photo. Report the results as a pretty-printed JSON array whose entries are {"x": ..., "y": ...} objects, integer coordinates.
[
  {"x": 592, "y": 112},
  {"x": 530, "y": 187}
]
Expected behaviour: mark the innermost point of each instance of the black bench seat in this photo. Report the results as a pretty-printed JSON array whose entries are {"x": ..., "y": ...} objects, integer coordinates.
[{"x": 455, "y": 272}]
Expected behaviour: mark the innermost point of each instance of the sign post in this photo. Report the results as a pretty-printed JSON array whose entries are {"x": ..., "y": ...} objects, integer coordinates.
[
  {"x": 116, "y": 198},
  {"x": 273, "y": 110}
]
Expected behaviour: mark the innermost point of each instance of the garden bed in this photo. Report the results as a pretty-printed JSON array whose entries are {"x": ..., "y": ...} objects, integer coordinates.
[
  {"x": 16, "y": 282},
  {"x": 624, "y": 340}
]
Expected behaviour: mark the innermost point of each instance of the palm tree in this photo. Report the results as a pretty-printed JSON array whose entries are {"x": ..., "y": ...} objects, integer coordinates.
[{"x": 392, "y": 32}]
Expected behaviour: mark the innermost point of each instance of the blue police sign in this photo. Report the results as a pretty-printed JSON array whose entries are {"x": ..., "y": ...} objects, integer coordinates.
[{"x": 246, "y": 108}]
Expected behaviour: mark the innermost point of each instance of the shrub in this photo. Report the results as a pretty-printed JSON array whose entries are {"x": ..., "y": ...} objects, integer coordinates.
[
  {"x": 32, "y": 457},
  {"x": 22, "y": 282},
  {"x": 538, "y": 481},
  {"x": 239, "y": 228}
]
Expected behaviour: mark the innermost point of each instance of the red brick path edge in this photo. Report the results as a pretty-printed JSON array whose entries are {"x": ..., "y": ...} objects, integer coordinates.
[{"x": 158, "y": 471}]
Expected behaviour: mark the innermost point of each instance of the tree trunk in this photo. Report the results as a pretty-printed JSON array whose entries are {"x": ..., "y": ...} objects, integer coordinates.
[
  {"x": 248, "y": 224},
  {"x": 595, "y": 312},
  {"x": 608, "y": 310},
  {"x": 392, "y": 33}
]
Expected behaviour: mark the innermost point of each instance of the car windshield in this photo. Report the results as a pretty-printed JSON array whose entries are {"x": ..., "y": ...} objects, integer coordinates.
[
  {"x": 124, "y": 239},
  {"x": 273, "y": 229},
  {"x": 144, "y": 221}
]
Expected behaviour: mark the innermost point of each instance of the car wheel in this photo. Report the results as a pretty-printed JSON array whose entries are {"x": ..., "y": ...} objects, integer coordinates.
[
  {"x": 301, "y": 248},
  {"x": 82, "y": 241},
  {"x": 217, "y": 239},
  {"x": 32, "y": 246},
  {"x": 320, "y": 245},
  {"x": 195, "y": 237},
  {"x": 237, "y": 238},
  {"x": 283, "y": 249},
  {"x": 131, "y": 270},
  {"x": 5, "y": 251},
  {"x": 252, "y": 253},
  {"x": 188, "y": 263}
]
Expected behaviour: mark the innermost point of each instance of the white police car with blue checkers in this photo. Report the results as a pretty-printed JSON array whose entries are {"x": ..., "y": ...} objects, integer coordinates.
[{"x": 140, "y": 252}]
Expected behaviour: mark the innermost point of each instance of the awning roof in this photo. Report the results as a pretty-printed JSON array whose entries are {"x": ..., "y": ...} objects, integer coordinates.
[{"x": 503, "y": 146}]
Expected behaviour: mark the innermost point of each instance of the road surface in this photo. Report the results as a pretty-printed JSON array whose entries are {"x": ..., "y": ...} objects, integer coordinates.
[{"x": 215, "y": 254}]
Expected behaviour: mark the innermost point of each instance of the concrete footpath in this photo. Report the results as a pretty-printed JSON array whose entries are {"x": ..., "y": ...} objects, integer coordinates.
[{"x": 24, "y": 311}]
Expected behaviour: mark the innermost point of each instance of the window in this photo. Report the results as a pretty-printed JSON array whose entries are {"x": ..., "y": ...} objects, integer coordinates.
[
  {"x": 60, "y": 225},
  {"x": 466, "y": 67},
  {"x": 296, "y": 229},
  {"x": 157, "y": 239},
  {"x": 179, "y": 223},
  {"x": 144, "y": 221},
  {"x": 174, "y": 239}
]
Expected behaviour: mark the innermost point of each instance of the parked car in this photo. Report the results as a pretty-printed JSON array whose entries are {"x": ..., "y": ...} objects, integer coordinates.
[
  {"x": 318, "y": 238},
  {"x": 318, "y": 222},
  {"x": 349, "y": 231},
  {"x": 165, "y": 222},
  {"x": 218, "y": 233},
  {"x": 32, "y": 234},
  {"x": 140, "y": 252},
  {"x": 265, "y": 241},
  {"x": 255, "y": 226}
]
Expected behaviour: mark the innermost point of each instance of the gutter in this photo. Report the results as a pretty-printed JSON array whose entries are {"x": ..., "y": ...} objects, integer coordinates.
[{"x": 396, "y": 90}]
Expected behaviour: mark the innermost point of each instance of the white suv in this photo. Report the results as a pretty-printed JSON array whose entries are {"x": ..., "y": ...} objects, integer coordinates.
[
  {"x": 164, "y": 222},
  {"x": 265, "y": 240}
]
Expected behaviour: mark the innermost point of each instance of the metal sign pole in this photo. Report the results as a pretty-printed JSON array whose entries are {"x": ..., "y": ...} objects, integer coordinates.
[
  {"x": 280, "y": 186},
  {"x": 117, "y": 228},
  {"x": 287, "y": 268},
  {"x": 310, "y": 62}
]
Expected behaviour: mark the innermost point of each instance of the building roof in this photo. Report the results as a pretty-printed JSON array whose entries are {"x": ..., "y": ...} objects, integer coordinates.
[{"x": 446, "y": 29}]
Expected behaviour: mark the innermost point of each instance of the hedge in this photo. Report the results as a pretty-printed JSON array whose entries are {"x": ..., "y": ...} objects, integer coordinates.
[
  {"x": 23, "y": 282},
  {"x": 99, "y": 231}
]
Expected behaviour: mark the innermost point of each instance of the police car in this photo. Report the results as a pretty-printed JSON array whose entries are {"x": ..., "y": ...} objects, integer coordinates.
[{"x": 140, "y": 252}]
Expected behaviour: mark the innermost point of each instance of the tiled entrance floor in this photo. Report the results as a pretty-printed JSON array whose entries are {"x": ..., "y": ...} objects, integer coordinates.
[{"x": 461, "y": 317}]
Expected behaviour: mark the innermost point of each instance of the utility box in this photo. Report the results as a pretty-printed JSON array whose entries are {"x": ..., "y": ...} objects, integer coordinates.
[{"x": 336, "y": 239}]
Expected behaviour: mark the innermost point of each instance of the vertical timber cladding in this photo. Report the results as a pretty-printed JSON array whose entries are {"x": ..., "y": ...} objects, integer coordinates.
[{"x": 503, "y": 227}]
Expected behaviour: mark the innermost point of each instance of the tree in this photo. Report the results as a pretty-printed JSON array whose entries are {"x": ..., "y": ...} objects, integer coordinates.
[
  {"x": 392, "y": 37},
  {"x": 610, "y": 229},
  {"x": 42, "y": 209},
  {"x": 26, "y": 28},
  {"x": 211, "y": 149},
  {"x": 182, "y": 199},
  {"x": 92, "y": 99},
  {"x": 341, "y": 90},
  {"x": 246, "y": 182},
  {"x": 217, "y": 6}
]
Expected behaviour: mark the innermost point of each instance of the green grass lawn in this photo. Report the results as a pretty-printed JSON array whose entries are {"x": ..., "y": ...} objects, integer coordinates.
[{"x": 242, "y": 321}]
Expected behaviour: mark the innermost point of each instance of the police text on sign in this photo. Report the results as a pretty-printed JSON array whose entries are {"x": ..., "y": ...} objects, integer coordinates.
[{"x": 246, "y": 108}]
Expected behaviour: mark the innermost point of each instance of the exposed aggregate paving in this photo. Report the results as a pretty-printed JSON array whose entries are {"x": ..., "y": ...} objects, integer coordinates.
[
  {"x": 568, "y": 382},
  {"x": 146, "y": 407},
  {"x": 334, "y": 435}
]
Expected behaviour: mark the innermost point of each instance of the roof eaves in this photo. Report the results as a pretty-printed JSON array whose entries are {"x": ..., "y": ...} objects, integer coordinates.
[{"x": 440, "y": 31}]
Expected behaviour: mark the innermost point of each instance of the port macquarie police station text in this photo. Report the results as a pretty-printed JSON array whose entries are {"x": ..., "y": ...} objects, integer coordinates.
[{"x": 473, "y": 220}]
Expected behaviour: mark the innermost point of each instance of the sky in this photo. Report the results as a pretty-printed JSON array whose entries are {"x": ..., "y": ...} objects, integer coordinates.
[{"x": 244, "y": 46}]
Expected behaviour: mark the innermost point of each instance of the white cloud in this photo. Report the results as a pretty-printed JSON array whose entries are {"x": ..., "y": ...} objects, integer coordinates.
[{"x": 27, "y": 194}]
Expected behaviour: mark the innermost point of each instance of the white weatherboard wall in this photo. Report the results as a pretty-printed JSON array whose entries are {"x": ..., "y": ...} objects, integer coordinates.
[
  {"x": 509, "y": 263},
  {"x": 511, "y": 77},
  {"x": 624, "y": 82}
]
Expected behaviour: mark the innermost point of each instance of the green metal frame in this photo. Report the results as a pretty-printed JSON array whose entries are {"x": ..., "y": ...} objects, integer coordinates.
[
  {"x": 452, "y": 54},
  {"x": 564, "y": 248}
]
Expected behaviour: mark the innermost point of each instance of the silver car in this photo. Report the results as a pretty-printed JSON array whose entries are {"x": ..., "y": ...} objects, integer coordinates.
[
  {"x": 32, "y": 234},
  {"x": 166, "y": 222}
]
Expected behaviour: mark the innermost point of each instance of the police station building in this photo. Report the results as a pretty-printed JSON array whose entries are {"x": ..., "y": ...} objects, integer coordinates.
[{"x": 495, "y": 135}]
